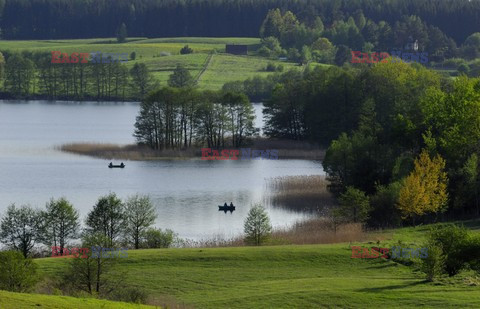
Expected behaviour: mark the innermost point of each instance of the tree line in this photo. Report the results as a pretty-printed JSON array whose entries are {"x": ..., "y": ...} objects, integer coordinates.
[
  {"x": 52, "y": 19},
  {"x": 284, "y": 34},
  {"x": 30, "y": 74},
  {"x": 128, "y": 223}
]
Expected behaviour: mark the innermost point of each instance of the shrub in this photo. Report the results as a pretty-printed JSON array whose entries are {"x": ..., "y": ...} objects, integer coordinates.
[
  {"x": 17, "y": 274},
  {"x": 454, "y": 242},
  {"x": 133, "y": 55},
  {"x": 186, "y": 50},
  {"x": 354, "y": 205},
  {"x": 433, "y": 265},
  {"x": 270, "y": 67},
  {"x": 156, "y": 238},
  {"x": 134, "y": 295}
]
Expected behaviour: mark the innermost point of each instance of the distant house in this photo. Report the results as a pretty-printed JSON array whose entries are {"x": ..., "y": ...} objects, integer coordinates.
[{"x": 236, "y": 49}]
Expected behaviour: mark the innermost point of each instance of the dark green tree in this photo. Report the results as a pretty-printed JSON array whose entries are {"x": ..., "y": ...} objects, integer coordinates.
[
  {"x": 122, "y": 33},
  {"x": 21, "y": 228},
  {"x": 180, "y": 77},
  {"x": 60, "y": 223},
  {"x": 107, "y": 218},
  {"x": 139, "y": 216}
]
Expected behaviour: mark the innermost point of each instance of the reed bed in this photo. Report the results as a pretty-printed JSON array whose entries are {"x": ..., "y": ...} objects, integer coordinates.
[
  {"x": 127, "y": 152},
  {"x": 318, "y": 231},
  {"x": 314, "y": 231},
  {"x": 300, "y": 193}
]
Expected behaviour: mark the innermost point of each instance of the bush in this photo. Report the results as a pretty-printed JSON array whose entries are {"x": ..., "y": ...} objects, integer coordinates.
[
  {"x": 433, "y": 265},
  {"x": 186, "y": 50},
  {"x": 454, "y": 242},
  {"x": 17, "y": 274},
  {"x": 134, "y": 295},
  {"x": 271, "y": 67},
  {"x": 156, "y": 238},
  {"x": 354, "y": 205},
  {"x": 133, "y": 55}
]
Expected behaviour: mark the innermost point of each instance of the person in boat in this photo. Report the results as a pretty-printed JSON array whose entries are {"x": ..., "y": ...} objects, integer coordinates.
[
  {"x": 225, "y": 205},
  {"x": 110, "y": 165},
  {"x": 122, "y": 165},
  {"x": 231, "y": 204}
]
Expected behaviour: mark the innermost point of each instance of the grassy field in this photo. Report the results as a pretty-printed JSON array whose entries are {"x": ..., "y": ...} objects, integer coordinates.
[
  {"x": 163, "y": 54},
  {"x": 20, "y": 301},
  {"x": 307, "y": 276}
]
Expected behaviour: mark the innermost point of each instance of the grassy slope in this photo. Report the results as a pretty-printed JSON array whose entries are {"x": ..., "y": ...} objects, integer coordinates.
[
  {"x": 19, "y": 301},
  {"x": 222, "y": 68},
  {"x": 287, "y": 276}
]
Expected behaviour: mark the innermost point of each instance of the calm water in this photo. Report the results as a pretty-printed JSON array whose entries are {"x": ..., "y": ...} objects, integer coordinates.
[{"x": 186, "y": 193}]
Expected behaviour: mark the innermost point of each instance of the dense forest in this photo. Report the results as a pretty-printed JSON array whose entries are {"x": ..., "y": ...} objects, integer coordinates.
[
  {"x": 55, "y": 19},
  {"x": 396, "y": 134}
]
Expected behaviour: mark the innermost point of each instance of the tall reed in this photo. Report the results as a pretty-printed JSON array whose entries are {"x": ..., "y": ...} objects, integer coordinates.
[{"x": 300, "y": 193}]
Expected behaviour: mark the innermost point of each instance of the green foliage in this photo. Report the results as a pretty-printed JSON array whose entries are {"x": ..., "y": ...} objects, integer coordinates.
[
  {"x": 433, "y": 265},
  {"x": 270, "y": 47},
  {"x": 19, "y": 74},
  {"x": 122, "y": 33},
  {"x": 89, "y": 273},
  {"x": 17, "y": 273},
  {"x": 156, "y": 238},
  {"x": 180, "y": 78},
  {"x": 60, "y": 223},
  {"x": 384, "y": 212},
  {"x": 139, "y": 215},
  {"x": 257, "y": 226},
  {"x": 270, "y": 67},
  {"x": 133, "y": 55},
  {"x": 207, "y": 117},
  {"x": 142, "y": 80},
  {"x": 107, "y": 218},
  {"x": 21, "y": 228},
  {"x": 354, "y": 206},
  {"x": 342, "y": 55},
  {"x": 454, "y": 242},
  {"x": 186, "y": 50},
  {"x": 136, "y": 295}
]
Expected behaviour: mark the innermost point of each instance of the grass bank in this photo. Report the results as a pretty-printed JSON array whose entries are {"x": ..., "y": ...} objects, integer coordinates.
[
  {"x": 11, "y": 300},
  {"x": 292, "y": 276}
]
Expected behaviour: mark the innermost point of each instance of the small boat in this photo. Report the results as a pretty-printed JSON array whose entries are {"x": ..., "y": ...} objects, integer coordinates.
[
  {"x": 226, "y": 208},
  {"x": 116, "y": 166}
]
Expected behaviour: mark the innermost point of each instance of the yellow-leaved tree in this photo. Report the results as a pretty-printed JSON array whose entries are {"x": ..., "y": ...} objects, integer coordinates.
[{"x": 425, "y": 189}]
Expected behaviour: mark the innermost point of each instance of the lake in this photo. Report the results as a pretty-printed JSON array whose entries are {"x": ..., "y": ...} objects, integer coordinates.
[{"x": 185, "y": 192}]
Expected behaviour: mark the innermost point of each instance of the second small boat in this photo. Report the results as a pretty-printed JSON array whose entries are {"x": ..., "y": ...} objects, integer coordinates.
[{"x": 111, "y": 165}]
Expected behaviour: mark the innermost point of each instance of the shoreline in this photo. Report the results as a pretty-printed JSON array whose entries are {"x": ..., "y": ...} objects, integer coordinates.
[{"x": 143, "y": 153}]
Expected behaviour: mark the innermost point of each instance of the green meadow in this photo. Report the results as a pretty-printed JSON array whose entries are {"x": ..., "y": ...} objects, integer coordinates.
[
  {"x": 301, "y": 276},
  {"x": 162, "y": 56}
]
